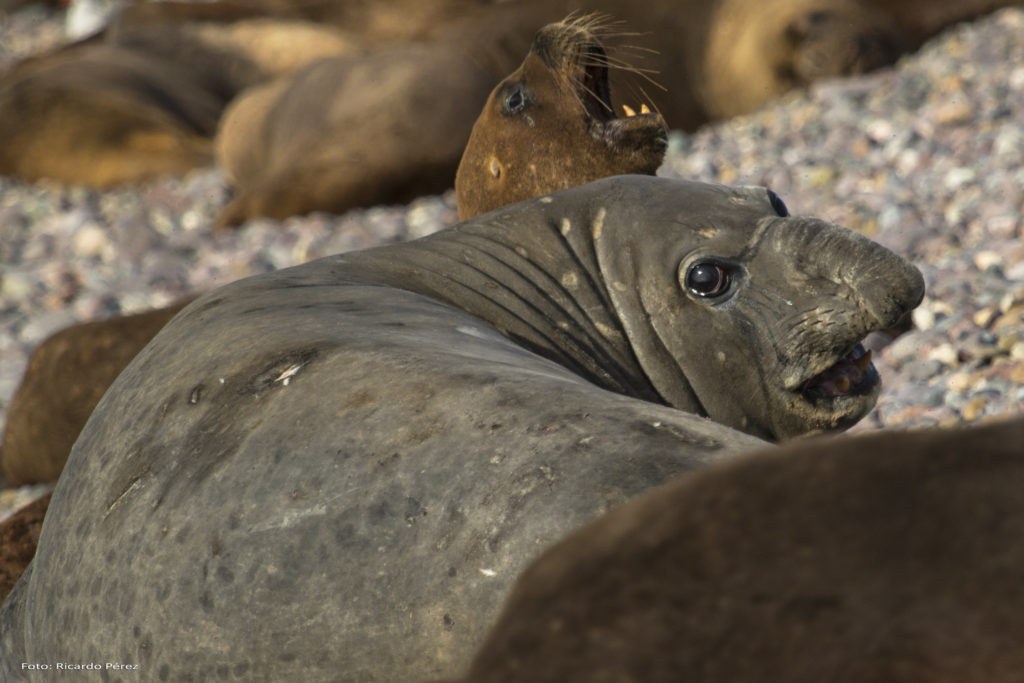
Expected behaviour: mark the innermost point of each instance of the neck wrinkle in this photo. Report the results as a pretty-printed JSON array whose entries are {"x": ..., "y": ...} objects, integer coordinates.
[{"x": 529, "y": 291}]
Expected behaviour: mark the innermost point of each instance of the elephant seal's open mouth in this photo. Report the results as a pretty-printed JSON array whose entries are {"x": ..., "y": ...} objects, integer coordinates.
[{"x": 851, "y": 375}]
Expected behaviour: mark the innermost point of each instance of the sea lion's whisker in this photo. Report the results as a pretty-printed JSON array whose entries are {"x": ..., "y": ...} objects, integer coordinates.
[
  {"x": 636, "y": 48},
  {"x": 611, "y": 63},
  {"x": 586, "y": 88}
]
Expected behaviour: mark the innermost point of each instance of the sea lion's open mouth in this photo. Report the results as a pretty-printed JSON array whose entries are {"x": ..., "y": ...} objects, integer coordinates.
[
  {"x": 595, "y": 93},
  {"x": 594, "y": 90},
  {"x": 851, "y": 375}
]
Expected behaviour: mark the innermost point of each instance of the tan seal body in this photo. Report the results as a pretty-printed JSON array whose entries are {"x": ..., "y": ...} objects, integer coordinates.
[
  {"x": 358, "y": 130},
  {"x": 19, "y": 535},
  {"x": 144, "y": 98},
  {"x": 66, "y": 377},
  {"x": 716, "y": 58},
  {"x": 337, "y": 470},
  {"x": 99, "y": 115},
  {"x": 891, "y": 557},
  {"x": 551, "y": 124}
]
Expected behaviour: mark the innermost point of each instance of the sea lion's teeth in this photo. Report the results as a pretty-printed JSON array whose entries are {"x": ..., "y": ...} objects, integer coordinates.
[
  {"x": 864, "y": 361},
  {"x": 629, "y": 112},
  {"x": 843, "y": 385},
  {"x": 644, "y": 109}
]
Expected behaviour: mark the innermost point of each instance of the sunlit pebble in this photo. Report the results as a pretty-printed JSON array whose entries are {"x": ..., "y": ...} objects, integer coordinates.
[
  {"x": 90, "y": 240},
  {"x": 958, "y": 177},
  {"x": 15, "y": 287},
  {"x": 923, "y": 318},
  {"x": 987, "y": 259},
  {"x": 946, "y": 354}
]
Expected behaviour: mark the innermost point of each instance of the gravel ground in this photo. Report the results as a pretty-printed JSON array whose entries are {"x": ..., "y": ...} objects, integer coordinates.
[{"x": 926, "y": 157}]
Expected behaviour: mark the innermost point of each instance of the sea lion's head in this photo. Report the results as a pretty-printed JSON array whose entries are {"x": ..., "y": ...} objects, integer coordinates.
[
  {"x": 551, "y": 124},
  {"x": 737, "y": 310}
]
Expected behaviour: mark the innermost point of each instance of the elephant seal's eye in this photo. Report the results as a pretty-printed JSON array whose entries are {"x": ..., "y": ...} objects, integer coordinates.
[
  {"x": 515, "y": 100},
  {"x": 777, "y": 204},
  {"x": 707, "y": 279}
]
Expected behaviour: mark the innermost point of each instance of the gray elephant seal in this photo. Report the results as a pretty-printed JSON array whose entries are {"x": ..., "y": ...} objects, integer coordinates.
[
  {"x": 335, "y": 471},
  {"x": 551, "y": 124},
  {"x": 891, "y": 557}
]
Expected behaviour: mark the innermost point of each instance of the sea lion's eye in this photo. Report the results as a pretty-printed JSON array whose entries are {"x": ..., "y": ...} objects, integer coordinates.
[
  {"x": 515, "y": 100},
  {"x": 777, "y": 204},
  {"x": 707, "y": 279}
]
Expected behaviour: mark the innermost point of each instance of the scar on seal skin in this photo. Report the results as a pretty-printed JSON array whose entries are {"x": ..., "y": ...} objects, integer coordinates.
[
  {"x": 552, "y": 125},
  {"x": 889, "y": 557},
  {"x": 425, "y": 416}
]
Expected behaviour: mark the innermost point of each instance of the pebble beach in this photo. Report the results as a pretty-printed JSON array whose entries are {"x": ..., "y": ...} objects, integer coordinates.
[{"x": 927, "y": 157}]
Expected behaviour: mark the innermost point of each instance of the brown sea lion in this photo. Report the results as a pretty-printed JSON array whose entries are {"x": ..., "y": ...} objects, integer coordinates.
[
  {"x": 718, "y": 58},
  {"x": 66, "y": 377},
  {"x": 759, "y": 50},
  {"x": 890, "y": 558},
  {"x": 143, "y": 99},
  {"x": 19, "y": 535},
  {"x": 101, "y": 115},
  {"x": 361, "y": 130},
  {"x": 551, "y": 124}
]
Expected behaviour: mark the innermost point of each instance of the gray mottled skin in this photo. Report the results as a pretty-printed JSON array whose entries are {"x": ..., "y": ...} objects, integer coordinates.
[{"x": 332, "y": 472}]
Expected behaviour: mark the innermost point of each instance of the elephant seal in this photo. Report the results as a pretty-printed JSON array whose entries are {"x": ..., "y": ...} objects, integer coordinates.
[
  {"x": 83, "y": 360},
  {"x": 89, "y": 356},
  {"x": 335, "y": 471},
  {"x": 890, "y": 557},
  {"x": 551, "y": 124}
]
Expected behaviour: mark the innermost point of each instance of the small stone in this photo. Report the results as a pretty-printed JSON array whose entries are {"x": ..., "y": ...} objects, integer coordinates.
[
  {"x": 923, "y": 318},
  {"x": 923, "y": 370},
  {"x": 90, "y": 240},
  {"x": 959, "y": 177},
  {"x": 1011, "y": 318},
  {"x": 985, "y": 316},
  {"x": 1017, "y": 351},
  {"x": 954, "y": 112},
  {"x": 1006, "y": 344},
  {"x": 945, "y": 354},
  {"x": 941, "y": 308},
  {"x": 880, "y": 130},
  {"x": 15, "y": 287},
  {"x": 988, "y": 259},
  {"x": 1015, "y": 272},
  {"x": 974, "y": 408},
  {"x": 959, "y": 382},
  {"x": 1008, "y": 301}
]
